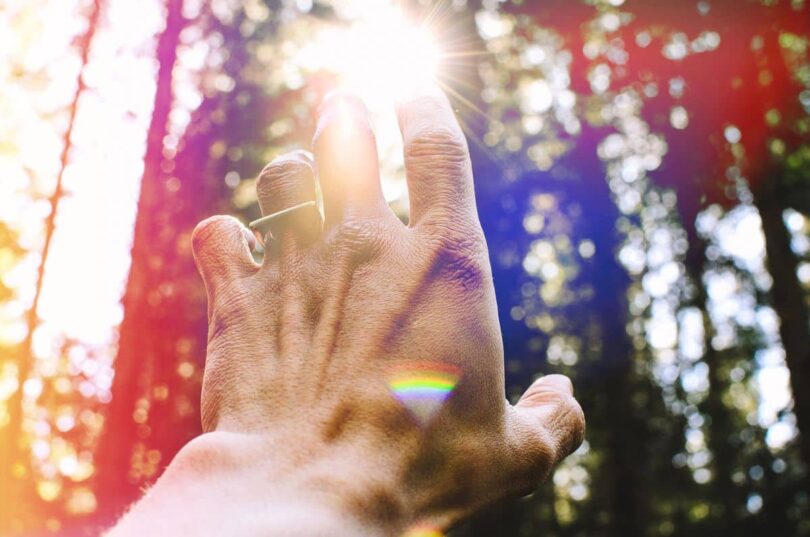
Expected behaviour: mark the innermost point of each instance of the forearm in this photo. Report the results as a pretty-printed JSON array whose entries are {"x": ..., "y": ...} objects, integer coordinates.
[{"x": 219, "y": 485}]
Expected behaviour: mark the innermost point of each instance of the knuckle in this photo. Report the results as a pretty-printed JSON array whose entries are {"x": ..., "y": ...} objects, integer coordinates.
[
  {"x": 533, "y": 458},
  {"x": 363, "y": 238},
  {"x": 440, "y": 146},
  {"x": 545, "y": 454},
  {"x": 575, "y": 428},
  {"x": 280, "y": 176},
  {"x": 541, "y": 442},
  {"x": 463, "y": 258},
  {"x": 566, "y": 426}
]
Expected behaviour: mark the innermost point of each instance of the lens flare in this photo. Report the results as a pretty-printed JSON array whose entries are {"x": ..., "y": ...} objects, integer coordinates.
[
  {"x": 423, "y": 387},
  {"x": 380, "y": 56}
]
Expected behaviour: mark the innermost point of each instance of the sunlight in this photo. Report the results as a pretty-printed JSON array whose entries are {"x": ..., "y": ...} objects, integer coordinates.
[
  {"x": 378, "y": 53},
  {"x": 625, "y": 225},
  {"x": 381, "y": 56}
]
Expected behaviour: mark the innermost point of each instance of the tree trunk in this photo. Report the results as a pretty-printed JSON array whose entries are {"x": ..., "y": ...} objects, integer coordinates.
[
  {"x": 627, "y": 504},
  {"x": 789, "y": 302},
  {"x": 721, "y": 427},
  {"x": 148, "y": 333}
]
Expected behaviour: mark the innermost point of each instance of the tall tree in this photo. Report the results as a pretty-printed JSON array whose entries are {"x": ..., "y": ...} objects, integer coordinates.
[
  {"x": 775, "y": 193},
  {"x": 149, "y": 333},
  {"x": 15, "y": 471},
  {"x": 155, "y": 404}
]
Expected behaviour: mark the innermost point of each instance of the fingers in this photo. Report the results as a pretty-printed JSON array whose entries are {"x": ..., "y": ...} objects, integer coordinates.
[
  {"x": 221, "y": 247},
  {"x": 346, "y": 157},
  {"x": 286, "y": 182},
  {"x": 549, "y": 424},
  {"x": 437, "y": 161}
]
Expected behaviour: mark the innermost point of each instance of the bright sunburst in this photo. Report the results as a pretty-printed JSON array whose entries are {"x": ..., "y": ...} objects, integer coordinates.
[{"x": 380, "y": 56}]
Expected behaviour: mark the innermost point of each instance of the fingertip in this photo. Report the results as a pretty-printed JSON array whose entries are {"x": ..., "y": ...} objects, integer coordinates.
[
  {"x": 300, "y": 156},
  {"x": 216, "y": 232},
  {"x": 555, "y": 381},
  {"x": 221, "y": 246},
  {"x": 287, "y": 181},
  {"x": 303, "y": 156},
  {"x": 205, "y": 231},
  {"x": 341, "y": 97},
  {"x": 428, "y": 90},
  {"x": 547, "y": 390},
  {"x": 342, "y": 114}
]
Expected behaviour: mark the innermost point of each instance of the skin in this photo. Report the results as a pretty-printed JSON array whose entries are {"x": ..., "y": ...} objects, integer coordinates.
[{"x": 303, "y": 435}]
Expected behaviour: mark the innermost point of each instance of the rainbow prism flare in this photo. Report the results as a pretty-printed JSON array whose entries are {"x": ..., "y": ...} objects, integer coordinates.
[{"x": 423, "y": 387}]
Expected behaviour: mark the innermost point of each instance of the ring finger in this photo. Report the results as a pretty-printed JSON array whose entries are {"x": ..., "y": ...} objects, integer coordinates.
[{"x": 286, "y": 183}]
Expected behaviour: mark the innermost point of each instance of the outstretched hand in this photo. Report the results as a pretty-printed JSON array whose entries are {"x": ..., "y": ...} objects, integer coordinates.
[{"x": 354, "y": 380}]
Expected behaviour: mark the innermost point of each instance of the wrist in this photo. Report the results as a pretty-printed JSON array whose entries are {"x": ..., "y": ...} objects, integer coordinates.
[{"x": 244, "y": 484}]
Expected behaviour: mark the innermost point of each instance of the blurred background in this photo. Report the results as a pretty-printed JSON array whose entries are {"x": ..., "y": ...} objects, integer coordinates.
[{"x": 643, "y": 179}]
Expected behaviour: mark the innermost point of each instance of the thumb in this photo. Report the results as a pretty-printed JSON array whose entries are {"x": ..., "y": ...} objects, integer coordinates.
[
  {"x": 222, "y": 251},
  {"x": 548, "y": 423}
]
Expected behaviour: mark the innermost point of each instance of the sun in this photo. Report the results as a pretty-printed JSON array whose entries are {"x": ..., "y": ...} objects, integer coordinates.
[
  {"x": 380, "y": 56},
  {"x": 379, "y": 53}
]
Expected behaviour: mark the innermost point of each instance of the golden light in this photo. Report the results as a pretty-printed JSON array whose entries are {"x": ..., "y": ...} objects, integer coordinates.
[
  {"x": 376, "y": 52},
  {"x": 381, "y": 56}
]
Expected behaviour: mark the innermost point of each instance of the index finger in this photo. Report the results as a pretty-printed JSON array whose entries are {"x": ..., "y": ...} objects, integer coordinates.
[{"x": 437, "y": 160}]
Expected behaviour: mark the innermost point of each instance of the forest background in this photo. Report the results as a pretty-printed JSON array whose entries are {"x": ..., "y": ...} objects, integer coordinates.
[{"x": 643, "y": 179}]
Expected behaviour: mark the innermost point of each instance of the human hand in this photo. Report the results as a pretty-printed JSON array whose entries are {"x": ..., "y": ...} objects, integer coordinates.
[{"x": 357, "y": 374}]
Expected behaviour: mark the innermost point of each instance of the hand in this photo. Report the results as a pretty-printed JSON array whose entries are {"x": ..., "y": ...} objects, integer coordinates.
[{"x": 315, "y": 358}]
